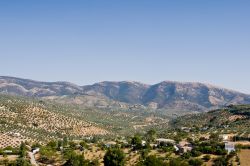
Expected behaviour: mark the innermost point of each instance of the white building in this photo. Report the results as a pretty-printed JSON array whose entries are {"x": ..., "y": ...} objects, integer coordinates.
[
  {"x": 229, "y": 147},
  {"x": 227, "y": 137},
  {"x": 163, "y": 140},
  {"x": 143, "y": 143},
  {"x": 36, "y": 150},
  {"x": 184, "y": 147}
]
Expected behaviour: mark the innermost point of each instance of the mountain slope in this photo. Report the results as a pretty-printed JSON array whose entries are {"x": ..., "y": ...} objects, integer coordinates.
[
  {"x": 128, "y": 92},
  {"x": 25, "y": 87},
  {"x": 169, "y": 95},
  {"x": 165, "y": 95},
  {"x": 186, "y": 95},
  {"x": 27, "y": 119},
  {"x": 40, "y": 120}
]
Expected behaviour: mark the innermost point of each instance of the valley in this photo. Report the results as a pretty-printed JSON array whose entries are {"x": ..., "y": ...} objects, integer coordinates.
[{"x": 84, "y": 124}]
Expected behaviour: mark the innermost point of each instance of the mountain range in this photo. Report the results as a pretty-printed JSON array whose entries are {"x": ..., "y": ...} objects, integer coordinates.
[{"x": 126, "y": 94}]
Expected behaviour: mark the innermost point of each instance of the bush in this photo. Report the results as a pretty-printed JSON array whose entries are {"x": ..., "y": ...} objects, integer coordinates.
[
  {"x": 48, "y": 155},
  {"x": 136, "y": 142},
  {"x": 195, "y": 153},
  {"x": 144, "y": 153},
  {"x": 221, "y": 161},
  {"x": 72, "y": 145},
  {"x": 195, "y": 162},
  {"x": 151, "y": 135},
  {"x": 52, "y": 144},
  {"x": 75, "y": 160},
  {"x": 178, "y": 162},
  {"x": 186, "y": 155},
  {"x": 206, "y": 158},
  {"x": 84, "y": 144},
  {"x": 22, "y": 150},
  {"x": 152, "y": 161},
  {"x": 114, "y": 157},
  {"x": 231, "y": 155},
  {"x": 22, "y": 162}
]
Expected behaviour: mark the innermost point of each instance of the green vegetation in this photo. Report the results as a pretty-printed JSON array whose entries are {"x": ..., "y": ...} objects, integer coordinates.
[
  {"x": 131, "y": 136},
  {"x": 209, "y": 147},
  {"x": 136, "y": 142},
  {"x": 29, "y": 117},
  {"x": 74, "y": 159},
  {"x": 178, "y": 162},
  {"x": 231, "y": 119},
  {"x": 221, "y": 161},
  {"x": 206, "y": 158},
  {"x": 151, "y": 135},
  {"x": 21, "y": 152},
  {"x": 151, "y": 161},
  {"x": 195, "y": 162},
  {"x": 114, "y": 157}
]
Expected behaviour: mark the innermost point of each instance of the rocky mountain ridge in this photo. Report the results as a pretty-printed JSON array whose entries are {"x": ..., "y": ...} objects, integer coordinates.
[{"x": 164, "y": 95}]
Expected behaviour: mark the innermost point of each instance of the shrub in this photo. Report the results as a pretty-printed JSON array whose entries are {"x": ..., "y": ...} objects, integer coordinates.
[
  {"x": 206, "y": 158},
  {"x": 136, "y": 142},
  {"x": 195, "y": 162},
  {"x": 152, "y": 161},
  {"x": 221, "y": 161},
  {"x": 114, "y": 157},
  {"x": 178, "y": 162}
]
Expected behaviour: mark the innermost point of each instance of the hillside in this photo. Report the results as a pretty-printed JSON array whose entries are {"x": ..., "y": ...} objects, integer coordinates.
[
  {"x": 22, "y": 118},
  {"x": 231, "y": 119},
  {"x": 25, "y": 87},
  {"x": 166, "y": 95}
]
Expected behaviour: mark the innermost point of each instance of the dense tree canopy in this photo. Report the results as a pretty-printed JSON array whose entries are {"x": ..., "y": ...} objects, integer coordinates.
[{"x": 114, "y": 157}]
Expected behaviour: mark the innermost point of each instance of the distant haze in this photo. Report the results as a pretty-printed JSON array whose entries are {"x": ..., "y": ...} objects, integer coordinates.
[{"x": 147, "y": 41}]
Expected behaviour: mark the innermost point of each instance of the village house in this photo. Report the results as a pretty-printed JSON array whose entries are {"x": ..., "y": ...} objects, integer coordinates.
[
  {"x": 110, "y": 144},
  {"x": 184, "y": 147},
  {"x": 186, "y": 129},
  {"x": 160, "y": 141},
  {"x": 226, "y": 137},
  {"x": 35, "y": 150},
  {"x": 229, "y": 147}
]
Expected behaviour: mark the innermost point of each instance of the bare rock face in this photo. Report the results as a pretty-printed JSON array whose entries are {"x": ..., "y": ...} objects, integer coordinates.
[{"x": 127, "y": 94}]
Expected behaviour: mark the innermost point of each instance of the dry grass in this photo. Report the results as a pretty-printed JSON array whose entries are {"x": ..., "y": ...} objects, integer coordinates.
[
  {"x": 9, "y": 158},
  {"x": 95, "y": 153},
  {"x": 132, "y": 158},
  {"x": 244, "y": 155}
]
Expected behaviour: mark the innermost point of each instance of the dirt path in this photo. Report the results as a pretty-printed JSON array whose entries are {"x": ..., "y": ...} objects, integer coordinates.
[{"x": 32, "y": 159}]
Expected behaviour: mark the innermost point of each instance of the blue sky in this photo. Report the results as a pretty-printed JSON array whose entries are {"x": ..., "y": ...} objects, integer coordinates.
[{"x": 87, "y": 41}]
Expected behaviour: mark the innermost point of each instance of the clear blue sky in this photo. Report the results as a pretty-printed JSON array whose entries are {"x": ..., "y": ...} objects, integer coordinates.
[{"x": 87, "y": 41}]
